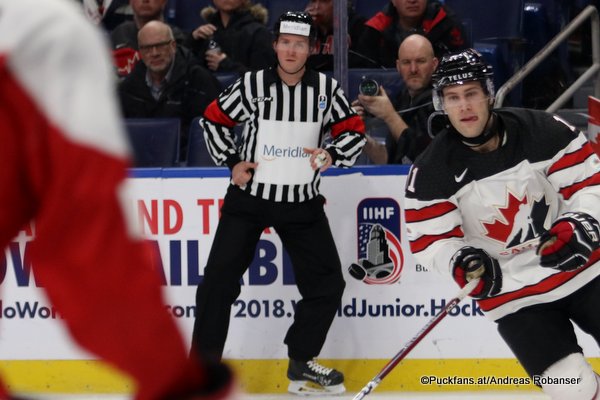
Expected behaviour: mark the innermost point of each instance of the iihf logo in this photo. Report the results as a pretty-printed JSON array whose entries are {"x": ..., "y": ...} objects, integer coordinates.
[
  {"x": 380, "y": 258},
  {"x": 322, "y": 101}
]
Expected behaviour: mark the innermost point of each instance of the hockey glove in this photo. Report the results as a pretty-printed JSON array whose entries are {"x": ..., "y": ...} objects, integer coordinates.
[
  {"x": 569, "y": 242},
  {"x": 469, "y": 263}
]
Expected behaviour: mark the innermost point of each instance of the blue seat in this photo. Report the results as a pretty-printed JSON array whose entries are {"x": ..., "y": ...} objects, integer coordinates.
[
  {"x": 491, "y": 55},
  {"x": 499, "y": 23},
  {"x": 186, "y": 13},
  {"x": 491, "y": 20},
  {"x": 368, "y": 8},
  {"x": 155, "y": 141},
  {"x": 278, "y": 7},
  {"x": 226, "y": 78},
  {"x": 198, "y": 155},
  {"x": 542, "y": 21}
]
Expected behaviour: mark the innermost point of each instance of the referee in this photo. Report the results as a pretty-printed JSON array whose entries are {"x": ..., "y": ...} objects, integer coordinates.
[{"x": 275, "y": 175}]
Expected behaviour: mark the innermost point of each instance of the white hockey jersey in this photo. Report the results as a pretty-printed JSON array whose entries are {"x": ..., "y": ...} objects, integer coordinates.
[{"x": 502, "y": 201}]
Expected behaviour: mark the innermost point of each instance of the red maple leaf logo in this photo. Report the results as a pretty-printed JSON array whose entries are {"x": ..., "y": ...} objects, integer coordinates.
[
  {"x": 500, "y": 229},
  {"x": 596, "y": 144}
]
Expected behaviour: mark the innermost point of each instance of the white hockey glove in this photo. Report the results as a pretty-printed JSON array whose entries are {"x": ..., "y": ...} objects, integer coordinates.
[{"x": 569, "y": 242}]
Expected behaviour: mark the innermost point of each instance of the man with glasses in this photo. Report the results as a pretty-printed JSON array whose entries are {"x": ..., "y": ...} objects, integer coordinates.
[
  {"x": 511, "y": 196},
  {"x": 168, "y": 83},
  {"x": 275, "y": 177},
  {"x": 124, "y": 37}
]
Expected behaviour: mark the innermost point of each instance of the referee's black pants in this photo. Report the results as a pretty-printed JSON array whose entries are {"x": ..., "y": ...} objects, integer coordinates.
[{"x": 305, "y": 234}]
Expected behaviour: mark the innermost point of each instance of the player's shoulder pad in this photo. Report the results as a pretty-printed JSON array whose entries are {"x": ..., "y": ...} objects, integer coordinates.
[{"x": 540, "y": 134}]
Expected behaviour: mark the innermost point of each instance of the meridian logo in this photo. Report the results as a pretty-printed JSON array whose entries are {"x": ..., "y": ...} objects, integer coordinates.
[{"x": 270, "y": 153}]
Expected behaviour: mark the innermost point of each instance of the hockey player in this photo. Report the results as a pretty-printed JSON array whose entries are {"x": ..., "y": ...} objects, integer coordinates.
[
  {"x": 64, "y": 157},
  {"x": 275, "y": 183},
  {"x": 515, "y": 194}
]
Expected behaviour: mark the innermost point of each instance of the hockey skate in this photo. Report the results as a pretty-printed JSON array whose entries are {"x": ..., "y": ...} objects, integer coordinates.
[{"x": 309, "y": 378}]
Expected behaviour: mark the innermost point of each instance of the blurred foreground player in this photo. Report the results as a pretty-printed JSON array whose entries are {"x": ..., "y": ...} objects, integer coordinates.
[
  {"x": 64, "y": 159},
  {"x": 513, "y": 193}
]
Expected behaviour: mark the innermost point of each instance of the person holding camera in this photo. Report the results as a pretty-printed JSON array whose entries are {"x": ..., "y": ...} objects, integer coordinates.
[{"x": 406, "y": 119}]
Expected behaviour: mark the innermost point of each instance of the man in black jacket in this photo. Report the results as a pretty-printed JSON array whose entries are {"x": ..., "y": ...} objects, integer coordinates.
[
  {"x": 235, "y": 37},
  {"x": 400, "y": 18},
  {"x": 168, "y": 83},
  {"x": 124, "y": 36}
]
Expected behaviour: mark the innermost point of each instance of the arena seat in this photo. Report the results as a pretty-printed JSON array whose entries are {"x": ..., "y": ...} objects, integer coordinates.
[
  {"x": 491, "y": 54},
  {"x": 542, "y": 21},
  {"x": 186, "y": 13},
  {"x": 498, "y": 23},
  {"x": 226, "y": 78},
  {"x": 368, "y": 8},
  {"x": 278, "y": 7},
  {"x": 155, "y": 141},
  {"x": 198, "y": 155},
  {"x": 491, "y": 20}
]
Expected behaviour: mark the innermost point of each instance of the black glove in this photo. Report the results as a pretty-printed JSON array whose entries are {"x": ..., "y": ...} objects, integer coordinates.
[
  {"x": 469, "y": 263},
  {"x": 569, "y": 242}
]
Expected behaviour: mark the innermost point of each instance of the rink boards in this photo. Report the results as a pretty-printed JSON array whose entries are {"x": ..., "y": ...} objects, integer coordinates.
[{"x": 178, "y": 211}]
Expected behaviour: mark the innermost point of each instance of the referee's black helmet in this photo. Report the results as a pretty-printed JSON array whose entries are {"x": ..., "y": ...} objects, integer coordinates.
[
  {"x": 458, "y": 68},
  {"x": 296, "y": 23}
]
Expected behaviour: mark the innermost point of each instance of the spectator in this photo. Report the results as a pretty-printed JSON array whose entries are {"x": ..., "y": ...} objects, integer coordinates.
[
  {"x": 107, "y": 14},
  {"x": 167, "y": 83},
  {"x": 321, "y": 58},
  {"x": 400, "y": 18},
  {"x": 407, "y": 119},
  {"x": 64, "y": 157},
  {"x": 124, "y": 37},
  {"x": 238, "y": 28},
  {"x": 275, "y": 179}
]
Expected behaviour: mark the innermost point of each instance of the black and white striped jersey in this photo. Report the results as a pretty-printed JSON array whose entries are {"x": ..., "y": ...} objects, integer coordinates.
[
  {"x": 279, "y": 121},
  {"x": 502, "y": 201}
]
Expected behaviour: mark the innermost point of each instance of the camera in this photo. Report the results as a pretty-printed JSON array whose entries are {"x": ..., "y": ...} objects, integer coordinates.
[{"x": 368, "y": 87}]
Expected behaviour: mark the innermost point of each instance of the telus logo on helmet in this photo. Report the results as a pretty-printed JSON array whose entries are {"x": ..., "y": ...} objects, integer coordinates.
[{"x": 460, "y": 77}]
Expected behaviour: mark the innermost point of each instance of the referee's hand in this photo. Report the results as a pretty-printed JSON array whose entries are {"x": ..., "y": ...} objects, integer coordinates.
[
  {"x": 242, "y": 172},
  {"x": 320, "y": 159}
]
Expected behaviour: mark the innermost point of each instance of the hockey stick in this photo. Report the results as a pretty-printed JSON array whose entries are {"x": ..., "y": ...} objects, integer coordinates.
[{"x": 373, "y": 383}]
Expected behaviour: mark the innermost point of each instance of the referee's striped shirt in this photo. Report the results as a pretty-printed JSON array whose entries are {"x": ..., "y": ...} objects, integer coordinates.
[{"x": 261, "y": 95}]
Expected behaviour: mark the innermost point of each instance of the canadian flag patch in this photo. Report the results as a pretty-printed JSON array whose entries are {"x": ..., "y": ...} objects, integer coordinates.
[{"x": 593, "y": 130}]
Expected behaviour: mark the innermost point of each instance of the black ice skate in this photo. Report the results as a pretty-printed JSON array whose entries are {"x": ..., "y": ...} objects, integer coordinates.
[{"x": 309, "y": 378}]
